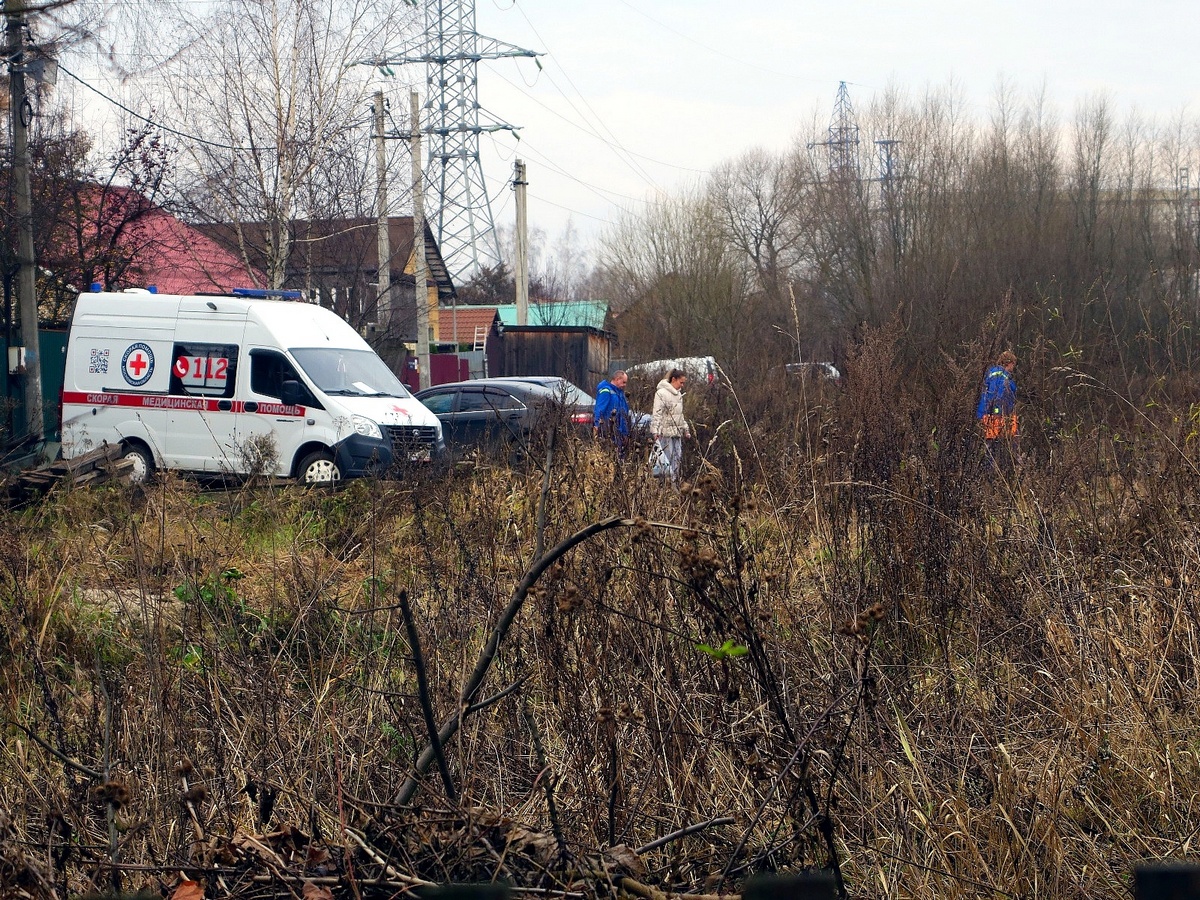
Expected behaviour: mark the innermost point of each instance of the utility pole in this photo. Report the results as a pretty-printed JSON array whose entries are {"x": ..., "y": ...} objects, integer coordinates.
[
  {"x": 21, "y": 114},
  {"x": 383, "y": 302},
  {"x": 418, "y": 223},
  {"x": 521, "y": 274},
  {"x": 451, "y": 51}
]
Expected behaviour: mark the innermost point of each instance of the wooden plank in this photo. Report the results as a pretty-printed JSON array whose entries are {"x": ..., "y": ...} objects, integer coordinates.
[{"x": 103, "y": 464}]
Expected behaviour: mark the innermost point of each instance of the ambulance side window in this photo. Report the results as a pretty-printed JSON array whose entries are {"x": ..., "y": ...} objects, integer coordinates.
[
  {"x": 269, "y": 369},
  {"x": 204, "y": 370}
]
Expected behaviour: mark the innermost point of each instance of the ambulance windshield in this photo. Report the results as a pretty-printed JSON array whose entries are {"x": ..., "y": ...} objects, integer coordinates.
[{"x": 349, "y": 373}]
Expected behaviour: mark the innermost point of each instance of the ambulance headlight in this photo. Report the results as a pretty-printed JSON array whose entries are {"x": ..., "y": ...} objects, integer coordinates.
[{"x": 365, "y": 427}]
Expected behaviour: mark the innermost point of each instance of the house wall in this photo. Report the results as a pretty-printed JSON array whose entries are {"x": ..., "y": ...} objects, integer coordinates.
[{"x": 494, "y": 353}]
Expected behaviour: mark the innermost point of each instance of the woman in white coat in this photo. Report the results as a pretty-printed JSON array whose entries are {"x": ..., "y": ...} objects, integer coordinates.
[{"x": 667, "y": 423}]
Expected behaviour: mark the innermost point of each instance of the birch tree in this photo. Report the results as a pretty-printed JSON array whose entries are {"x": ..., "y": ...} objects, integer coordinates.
[{"x": 274, "y": 90}]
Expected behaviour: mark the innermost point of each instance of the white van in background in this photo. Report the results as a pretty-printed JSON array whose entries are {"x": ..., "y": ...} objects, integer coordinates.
[
  {"x": 235, "y": 385},
  {"x": 700, "y": 369}
]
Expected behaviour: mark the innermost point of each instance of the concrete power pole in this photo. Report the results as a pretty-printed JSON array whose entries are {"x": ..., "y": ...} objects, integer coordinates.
[
  {"x": 521, "y": 274},
  {"x": 451, "y": 51},
  {"x": 419, "y": 273},
  {"x": 22, "y": 113},
  {"x": 383, "y": 302}
]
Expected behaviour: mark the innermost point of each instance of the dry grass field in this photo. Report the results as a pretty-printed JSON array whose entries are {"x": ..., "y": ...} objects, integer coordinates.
[{"x": 844, "y": 643}]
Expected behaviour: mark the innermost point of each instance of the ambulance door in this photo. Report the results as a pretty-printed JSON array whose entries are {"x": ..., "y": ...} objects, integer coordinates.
[
  {"x": 201, "y": 422},
  {"x": 270, "y": 432}
]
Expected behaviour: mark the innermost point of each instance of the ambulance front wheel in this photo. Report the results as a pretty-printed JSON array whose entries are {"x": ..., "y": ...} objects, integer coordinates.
[
  {"x": 318, "y": 467},
  {"x": 141, "y": 462}
]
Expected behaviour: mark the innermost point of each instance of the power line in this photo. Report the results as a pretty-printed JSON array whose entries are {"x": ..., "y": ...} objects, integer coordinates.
[
  {"x": 450, "y": 51},
  {"x": 714, "y": 50},
  {"x": 616, "y": 142},
  {"x": 504, "y": 206},
  {"x": 577, "y": 212},
  {"x": 159, "y": 125},
  {"x": 593, "y": 134},
  {"x": 603, "y": 193}
]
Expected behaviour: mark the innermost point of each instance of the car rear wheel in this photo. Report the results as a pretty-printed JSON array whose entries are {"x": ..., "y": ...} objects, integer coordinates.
[{"x": 319, "y": 467}]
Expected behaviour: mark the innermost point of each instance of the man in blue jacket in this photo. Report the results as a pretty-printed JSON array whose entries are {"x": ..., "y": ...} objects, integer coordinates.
[
  {"x": 997, "y": 409},
  {"x": 612, "y": 411}
]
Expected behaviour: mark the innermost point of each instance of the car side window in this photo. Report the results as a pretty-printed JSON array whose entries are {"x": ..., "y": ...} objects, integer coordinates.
[
  {"x": 502, "y": 400},
  {"x": 476, "y": 401},
  {"x": 269, "y": 369},
  {"x": 204, "y": 370},
  {"x": 489, "y": 401},
  {"x": 439, "y": 404}
]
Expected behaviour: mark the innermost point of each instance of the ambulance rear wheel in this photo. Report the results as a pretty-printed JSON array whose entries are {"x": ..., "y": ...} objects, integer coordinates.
[
  {"x": 141, "y": 463},
  {"x": 319, "y": 467}
]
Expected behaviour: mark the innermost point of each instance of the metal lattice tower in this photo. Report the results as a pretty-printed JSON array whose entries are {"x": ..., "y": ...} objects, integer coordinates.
[
  {"x": 842, "y": 143},
  {"x": 889, "y": 163},
  {"x": 461, "y": 212},
  {"x": 890, "y": 174}
]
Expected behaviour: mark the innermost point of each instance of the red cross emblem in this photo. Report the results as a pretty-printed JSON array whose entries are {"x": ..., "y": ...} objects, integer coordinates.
[{"x": 137, "y": 365}]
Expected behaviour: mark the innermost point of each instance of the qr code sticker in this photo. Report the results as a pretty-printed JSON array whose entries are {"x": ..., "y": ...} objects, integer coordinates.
[{"x": 99, "y": 363}]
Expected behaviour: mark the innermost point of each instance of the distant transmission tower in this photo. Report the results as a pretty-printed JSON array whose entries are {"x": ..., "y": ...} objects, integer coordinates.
[
  {"x": 461, "y": 214},
  {"x": 842, "y": 143},
  {"x": 1188, "y": 236},
  {"x": 890, "y": 165},
  {"x": 889, "y": 162}
]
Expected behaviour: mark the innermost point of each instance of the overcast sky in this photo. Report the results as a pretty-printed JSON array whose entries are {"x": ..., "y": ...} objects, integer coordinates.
[{"x": 636, "y": 96}]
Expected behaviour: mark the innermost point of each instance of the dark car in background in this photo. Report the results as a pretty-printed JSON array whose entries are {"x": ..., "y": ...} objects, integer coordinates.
[{"x": 504, "y": 413}]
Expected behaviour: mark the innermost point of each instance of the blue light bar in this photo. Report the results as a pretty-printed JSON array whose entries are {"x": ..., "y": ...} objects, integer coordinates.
[{"x": 265, "y": 293}]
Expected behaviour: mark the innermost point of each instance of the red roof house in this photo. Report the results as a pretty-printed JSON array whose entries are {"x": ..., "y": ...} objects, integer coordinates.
[
  {"x": 466, "y": 324},
  {"x": 121, "y": 239},
  {"x": 179, "y": 259}
]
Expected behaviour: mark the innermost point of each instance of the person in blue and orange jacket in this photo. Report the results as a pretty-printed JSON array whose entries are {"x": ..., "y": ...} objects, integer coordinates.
[{"x": 997, "y": 404}]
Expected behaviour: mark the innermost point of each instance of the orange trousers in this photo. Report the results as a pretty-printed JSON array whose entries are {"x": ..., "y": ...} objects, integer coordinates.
[{"x": 998, "y": 426}]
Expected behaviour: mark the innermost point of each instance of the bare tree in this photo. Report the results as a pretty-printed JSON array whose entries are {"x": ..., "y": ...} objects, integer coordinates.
[
  {"x": 95, "y": 214},
  {"x": 283, "y": 110},
  {"x": 681, "y": 289},
  {"x": 1092, "y": 144},
  {"x": 1081, "y": 236},
  {"x": 761, "y": 201}
]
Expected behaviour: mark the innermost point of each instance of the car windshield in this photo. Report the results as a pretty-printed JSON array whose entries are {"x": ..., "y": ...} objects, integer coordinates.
[{"x": 349, "y": 373}]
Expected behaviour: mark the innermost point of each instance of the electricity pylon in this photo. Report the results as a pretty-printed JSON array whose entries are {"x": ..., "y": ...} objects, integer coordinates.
[
  {"x": 451, "y": 50},
  {"x": 842, "y": 143},
  {"x": 890, "y": 174}
]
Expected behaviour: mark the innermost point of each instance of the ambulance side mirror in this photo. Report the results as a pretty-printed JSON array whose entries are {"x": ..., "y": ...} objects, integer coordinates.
[{"x": 293, "y": 393}]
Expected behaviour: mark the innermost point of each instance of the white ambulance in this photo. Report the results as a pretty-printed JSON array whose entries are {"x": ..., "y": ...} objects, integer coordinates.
[{"x": 234, "y": 385}]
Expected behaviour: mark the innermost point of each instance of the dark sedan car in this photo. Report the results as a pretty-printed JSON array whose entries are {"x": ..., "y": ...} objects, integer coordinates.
[{"x": 504, "y": 412}]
